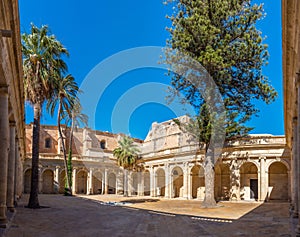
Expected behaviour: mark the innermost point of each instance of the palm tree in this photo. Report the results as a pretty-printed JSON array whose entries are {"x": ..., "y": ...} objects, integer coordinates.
[
  {"x": 76, "y": 118},
  {"x": 41, "y": 58},
  {"x": 65, "y": 97},
  {"x": 127, "y": 156}
]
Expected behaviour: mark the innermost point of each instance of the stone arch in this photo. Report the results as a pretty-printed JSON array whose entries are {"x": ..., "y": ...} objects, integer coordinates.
[
  {"x": 112, "y": 183},
  {"x": 284, "y": 162},
  {"x": 97, "y": 182},
  {"x": 27, "y": 180},
  {"x": 278, "y": 181},
  {"x": 249, "y": 181},
  {"x": 62, "y": 181},
  {"x": 198, "y": 182},
  {"x": 222, "y": 181},
  {"x": 177, "y": 182},
  {"x": 81, "y": 182},
  {"x": 160, "y": 182},
  {"x": 48, "y": 181},
  {"x": 146, "y": 183}
]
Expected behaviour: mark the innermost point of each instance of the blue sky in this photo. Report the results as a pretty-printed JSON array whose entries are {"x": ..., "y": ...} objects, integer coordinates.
[{"x": 96, "y": 31}]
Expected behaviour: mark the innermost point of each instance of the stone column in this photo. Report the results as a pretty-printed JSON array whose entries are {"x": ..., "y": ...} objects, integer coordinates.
[
  {"x": 4, "y": 144},
  {"x": 130, "y": 182},
  {"x": 294, "y": 166},
  {"x": 140, "y": 183},
  {"x": 298, "y": 157},
  {"x": 263, "y": 180},
  {"x": 16, "y": 181},
  {"x": 167, "y": 180},
  {"x": 235, "y": 180},
  {"x": 11, "y": 167},
  {"x": 185, "y": 181},
  {"x": 105, "y": 181},
  {"x": 152, "y": 180},
  {"x": 120, "y": 182},
  {"x": 90, "y": 183},
  {"x": 74, "y": 181}
]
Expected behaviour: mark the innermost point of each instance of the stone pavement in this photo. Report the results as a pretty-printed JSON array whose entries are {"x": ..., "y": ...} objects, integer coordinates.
[{"x": 105, "y": 216}]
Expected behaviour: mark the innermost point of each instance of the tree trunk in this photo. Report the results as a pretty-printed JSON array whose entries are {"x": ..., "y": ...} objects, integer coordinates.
[
  {"x": 125, "y": 183},
  {"x": 33, "y": 198},
  {"x": 68, "y": 191},
  {"x": 209, "y": 173},
  {"x": 70, "y": 153}
]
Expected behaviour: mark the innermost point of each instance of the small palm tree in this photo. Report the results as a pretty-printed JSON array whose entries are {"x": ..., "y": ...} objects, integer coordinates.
[
  {"x": 41, "y": 58},
  {"x": 65, "y": 97},
  {"x": 127, "y": 156}
]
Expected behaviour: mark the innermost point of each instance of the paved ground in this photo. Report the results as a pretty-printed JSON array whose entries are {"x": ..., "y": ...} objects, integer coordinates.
[{"x": 94, "y": 216}]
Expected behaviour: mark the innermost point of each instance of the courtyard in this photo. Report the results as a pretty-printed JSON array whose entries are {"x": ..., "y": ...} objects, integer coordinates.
[{"x": 115, "y": 215}]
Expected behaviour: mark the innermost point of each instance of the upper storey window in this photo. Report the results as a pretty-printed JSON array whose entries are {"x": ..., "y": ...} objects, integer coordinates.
[
  {"x": 103, "y": 144},
  {"x": 47, "y": 143}
]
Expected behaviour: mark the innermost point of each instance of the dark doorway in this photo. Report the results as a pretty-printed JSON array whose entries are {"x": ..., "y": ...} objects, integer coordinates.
[{"x": 254, "y": 188}]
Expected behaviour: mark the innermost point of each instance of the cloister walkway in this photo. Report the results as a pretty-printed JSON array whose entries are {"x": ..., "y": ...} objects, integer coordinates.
[{"x": 103, "y": 215}]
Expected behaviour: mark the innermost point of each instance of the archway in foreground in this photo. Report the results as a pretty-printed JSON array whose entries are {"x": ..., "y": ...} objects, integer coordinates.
[
  {"x": 27, "y": 181},
  {"x": 249, "y": 181},
  {"x": 147, "y": 183},
  {"x": 222, "y": 182},
  {"x": 278, "y": 182},
  {"x": 198, "y": 182},
  {"x": 160, "y": 182},
  {"x": 112, "y": 183},
  {"x": 177, "y": 182},
  {"x": 48, "y": 182},
  {"x": 81, "y": 182},
  {"x": 97, "y": 182}
]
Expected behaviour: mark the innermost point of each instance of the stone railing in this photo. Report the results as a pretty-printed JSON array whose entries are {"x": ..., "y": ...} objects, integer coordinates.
[{"x": 259, "y": 140}]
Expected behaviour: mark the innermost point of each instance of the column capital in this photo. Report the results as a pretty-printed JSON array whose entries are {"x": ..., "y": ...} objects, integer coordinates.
[{"x": 262, "y": 158}]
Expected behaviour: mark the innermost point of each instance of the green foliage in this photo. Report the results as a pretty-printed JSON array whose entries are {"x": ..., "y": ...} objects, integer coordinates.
[
  {"x": 126, "y": 153},
  {"x": 221, "y": 35},
  {"x": 41, "y": 59}
]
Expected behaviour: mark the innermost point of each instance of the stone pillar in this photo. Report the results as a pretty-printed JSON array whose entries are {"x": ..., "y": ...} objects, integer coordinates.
[
  {"x": 152, "y": 181},
  {"x": 263, "y": 180},
  {"x": 120, "y": 182},
  {"x": 294, "y": 166},
  {"x": 16, "y": 181},
  {"x": 298, "y": 156},
  {"x": 56, "y": 174},
  {"x": 235, "y": 180},
  {"x": 190, "y": 185},
  {"x": 11, "y": 167},
  {"x": 106, "y": 181},
  {"x": 90, "y": 183},
  {"x": 74, "y": 181},
  {"x": 186, "y": 176},
  {"x": 4, "y": 144},
  {"x": 140, "y": 184},
  {"x": 167, "y": 180},
  {"x": 130, "y": 182}
]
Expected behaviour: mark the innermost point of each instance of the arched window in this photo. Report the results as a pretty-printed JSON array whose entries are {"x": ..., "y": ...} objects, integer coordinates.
[
  {"x": 47, "y": 143},
  {"x": 103, "y": 144}
]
